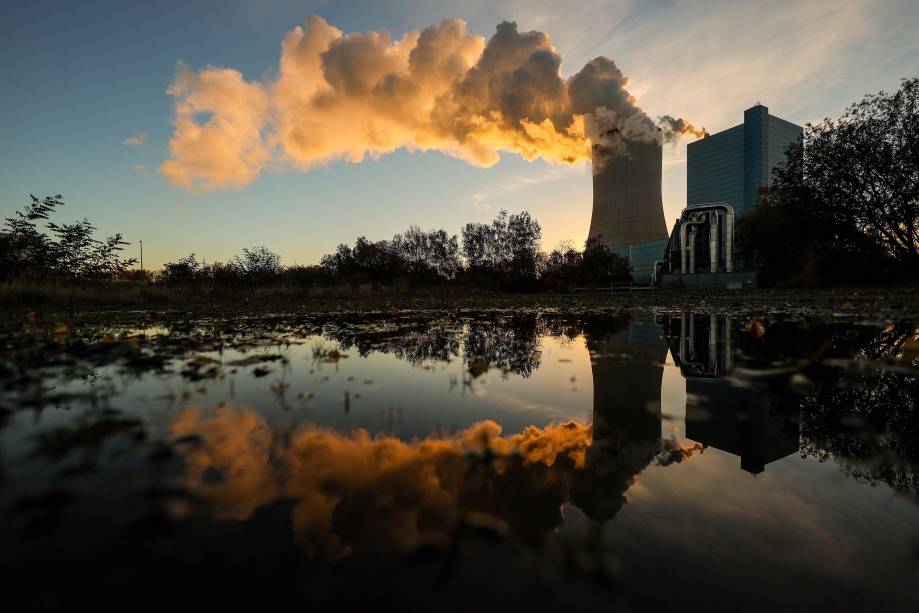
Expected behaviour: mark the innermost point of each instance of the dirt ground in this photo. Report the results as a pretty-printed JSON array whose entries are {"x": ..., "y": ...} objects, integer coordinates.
[{"x": 875, "y": 304}]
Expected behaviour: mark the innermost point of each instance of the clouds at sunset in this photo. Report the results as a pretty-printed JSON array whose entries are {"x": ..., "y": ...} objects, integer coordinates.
[
  {"x": 217, "y": 141},
  {"x": 137, "y": 139},
  {"x": 352, "y": 96}
]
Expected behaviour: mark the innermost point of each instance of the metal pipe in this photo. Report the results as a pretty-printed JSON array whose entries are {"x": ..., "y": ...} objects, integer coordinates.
[
  {"x": 713, "y": 343},
  {"x": 692, "y": 251},
  {"x": 692, "y": 338},
  {"x": 683, "y": 227},
  {"x": 683, "y": 357},
  {"x": 729, "y": 238},
  {"x": 693, "y": 210},
  {"x": 713, "y": 241},
  {"x": 686, "y": 243},
  {"x": 728, "y": 345},
  {"x": 655, "y": 274}
]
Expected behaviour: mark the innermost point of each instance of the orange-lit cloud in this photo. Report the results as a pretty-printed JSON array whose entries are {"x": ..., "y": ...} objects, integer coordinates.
[
  {"x": 218, "y": 123},
  {"x": 350, "y": 96}
]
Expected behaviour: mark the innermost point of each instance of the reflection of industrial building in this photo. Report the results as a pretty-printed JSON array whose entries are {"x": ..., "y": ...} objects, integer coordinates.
[
  {"x": 719, "y": 414},
  {"x": 724, "y": 175},
  {"x": 628, "y": 213}
]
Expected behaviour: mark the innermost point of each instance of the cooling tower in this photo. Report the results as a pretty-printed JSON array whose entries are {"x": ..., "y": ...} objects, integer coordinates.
[{"x": 628, "y": 208}]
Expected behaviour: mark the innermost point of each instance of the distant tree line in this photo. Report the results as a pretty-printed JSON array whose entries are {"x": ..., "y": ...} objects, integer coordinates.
[
  {"x": 504, "y": 254},
  {"x": 844, "y": 206}
]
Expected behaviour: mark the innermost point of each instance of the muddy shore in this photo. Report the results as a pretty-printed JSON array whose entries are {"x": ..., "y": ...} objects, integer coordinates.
[{"x": 875, "y": 305}]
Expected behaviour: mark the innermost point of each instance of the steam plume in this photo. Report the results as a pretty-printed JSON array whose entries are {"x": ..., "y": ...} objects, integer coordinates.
[
  {"x": 674, "y": 127},
  {"x": 350, "y": 96}
]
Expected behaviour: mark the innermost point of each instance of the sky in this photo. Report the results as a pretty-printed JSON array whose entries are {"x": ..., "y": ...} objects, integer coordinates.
[{"x": 84, "y": 108}]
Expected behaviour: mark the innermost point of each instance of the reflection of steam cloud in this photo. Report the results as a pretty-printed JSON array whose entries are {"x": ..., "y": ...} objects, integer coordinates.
[
  {"x": 380, "y": 493},
  {"x": 349, "y": 96},
  {"x": 383, "y": 494}
]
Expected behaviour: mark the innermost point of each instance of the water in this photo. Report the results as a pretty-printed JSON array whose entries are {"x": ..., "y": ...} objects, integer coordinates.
[{"x": 498, "y": 460}]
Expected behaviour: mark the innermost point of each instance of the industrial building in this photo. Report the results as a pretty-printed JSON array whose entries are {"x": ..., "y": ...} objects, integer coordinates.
[
  {"x": 731, "y": 166},
  {"x": 628, "y": 211},
  {"x": 724, "y": 175}
]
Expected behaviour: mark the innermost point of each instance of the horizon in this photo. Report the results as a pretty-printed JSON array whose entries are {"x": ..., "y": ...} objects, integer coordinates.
[{"x": 87, "y": 114}]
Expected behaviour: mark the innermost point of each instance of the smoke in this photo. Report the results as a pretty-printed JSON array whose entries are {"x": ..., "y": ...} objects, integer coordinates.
[
  {"x": 353, "y": 96},
  {"x": 674, "y": 127}
]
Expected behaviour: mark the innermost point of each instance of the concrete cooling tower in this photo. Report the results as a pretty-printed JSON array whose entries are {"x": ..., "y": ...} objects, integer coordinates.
[{"x": 628, "y": 208}]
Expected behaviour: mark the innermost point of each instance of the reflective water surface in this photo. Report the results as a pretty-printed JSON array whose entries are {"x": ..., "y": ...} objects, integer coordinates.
[{"x": 496, "y": 460}]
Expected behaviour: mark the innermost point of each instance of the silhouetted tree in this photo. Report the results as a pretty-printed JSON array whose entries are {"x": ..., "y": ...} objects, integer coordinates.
[
  {"x": 844, "y": 206},
  {"x": 257, "y": 262},
  {"x": 561, "y": 268},
  {"x": 521, "y": 244},
  {"x": 426, "y": 255},
  {"x": 600, "y": 266},
  {"x": 183, "y": 270},
  {"x": 506, "y": 251},
  {"x": 443, "y": 254},
  {"x": 67, "y": 251},
  {"x": 482, "y": 246}
]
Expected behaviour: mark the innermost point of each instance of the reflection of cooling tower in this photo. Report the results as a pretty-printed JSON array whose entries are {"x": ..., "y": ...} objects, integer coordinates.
[
  {"x": 627, "y": 369},
  {"x": 627, "y": 197}
]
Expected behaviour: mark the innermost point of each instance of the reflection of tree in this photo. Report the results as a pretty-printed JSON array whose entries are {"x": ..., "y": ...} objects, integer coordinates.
[
  {"x": 511, "y": 345},
  {"x": 890, "y": 342},
  {"x": 869, "y": 423},
  {"x": 434, "y": 343},
  {"x": 866, "y": 416}
]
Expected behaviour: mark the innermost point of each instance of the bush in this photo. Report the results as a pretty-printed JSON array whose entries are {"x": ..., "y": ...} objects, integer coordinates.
[{"x": 65, "y": 251}]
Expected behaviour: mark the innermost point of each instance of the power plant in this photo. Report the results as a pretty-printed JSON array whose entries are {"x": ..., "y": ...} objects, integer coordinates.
[
  {"x": 725, "y": 173},
  {"x": 628, "y": 208},
  {"x": 628, "y": 211}
]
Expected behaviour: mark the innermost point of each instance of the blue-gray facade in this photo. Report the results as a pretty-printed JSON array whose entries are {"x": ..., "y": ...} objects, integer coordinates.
[
  {"x": 642, "y": 257},
  {"x": 731, "y": 166}
]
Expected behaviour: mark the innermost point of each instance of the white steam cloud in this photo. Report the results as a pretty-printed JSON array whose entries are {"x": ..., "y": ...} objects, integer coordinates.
[{"x": 350, "y": 96}]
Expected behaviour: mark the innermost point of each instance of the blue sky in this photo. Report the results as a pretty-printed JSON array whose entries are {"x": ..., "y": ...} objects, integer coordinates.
[{"x": 81, "y": 77}]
